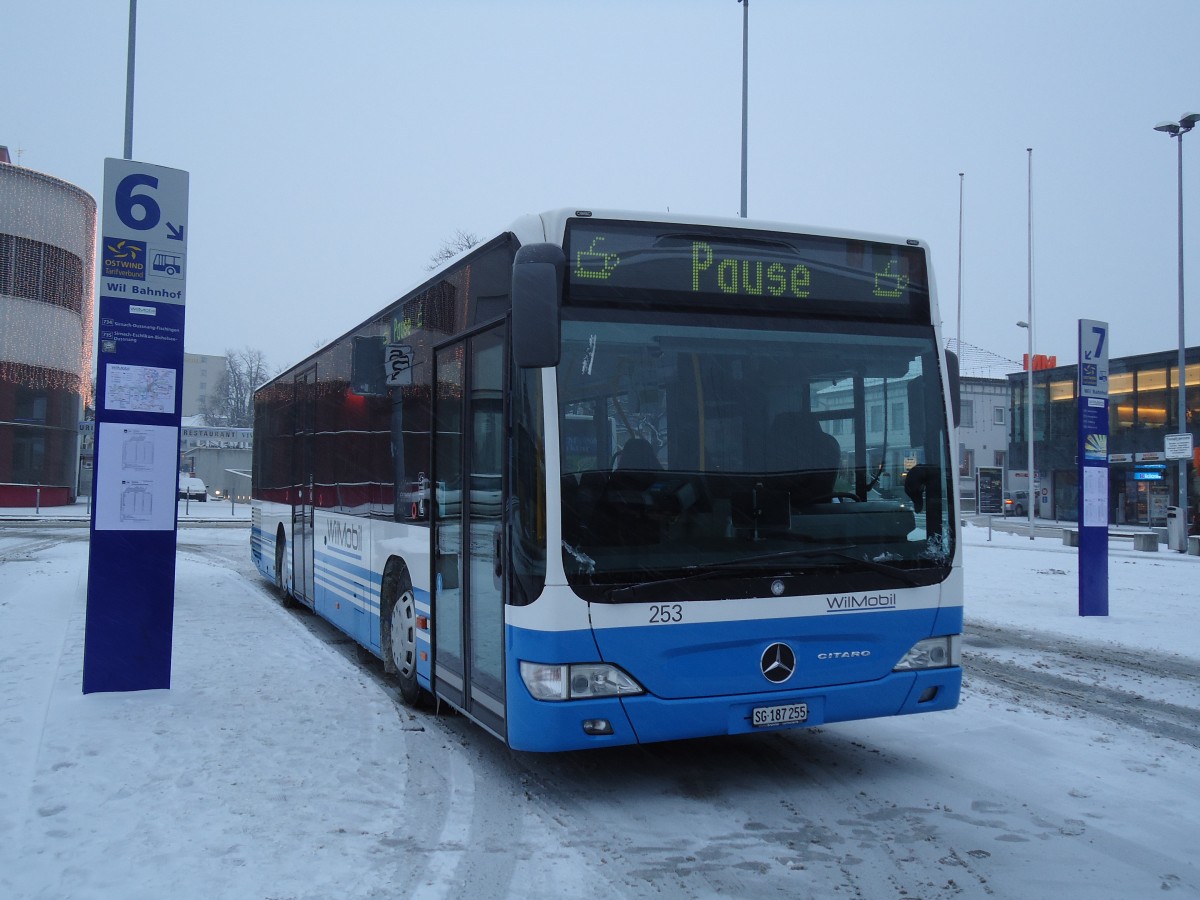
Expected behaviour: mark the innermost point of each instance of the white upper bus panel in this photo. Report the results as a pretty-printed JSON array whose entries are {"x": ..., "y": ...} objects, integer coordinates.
[{"x": 551, "y": 225}]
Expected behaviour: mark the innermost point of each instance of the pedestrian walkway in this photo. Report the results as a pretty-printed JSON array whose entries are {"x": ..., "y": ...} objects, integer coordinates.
[{"x": 1142, "y": 537}]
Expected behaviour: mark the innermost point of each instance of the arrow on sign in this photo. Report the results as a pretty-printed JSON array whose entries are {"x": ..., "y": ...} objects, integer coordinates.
[{"x": 176, "y": 233}]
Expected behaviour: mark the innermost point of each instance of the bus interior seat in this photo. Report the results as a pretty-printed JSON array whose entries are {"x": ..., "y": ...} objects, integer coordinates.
[
  {"x": 638, "y": 453},
  {"x": 581, "y": 493},
  {"x": 572, "y": 507},
  {"x": 623, "y": 514}
]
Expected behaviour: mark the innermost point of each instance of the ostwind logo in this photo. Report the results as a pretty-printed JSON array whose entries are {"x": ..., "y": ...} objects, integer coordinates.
[
  {"x": 124, "y": 259},
  {"x": 125, "y": 250}
]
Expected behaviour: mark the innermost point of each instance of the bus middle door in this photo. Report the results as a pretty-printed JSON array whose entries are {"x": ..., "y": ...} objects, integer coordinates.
[
  {"x": 302, "y": 505},
  {"x": 467, "y": 582}
]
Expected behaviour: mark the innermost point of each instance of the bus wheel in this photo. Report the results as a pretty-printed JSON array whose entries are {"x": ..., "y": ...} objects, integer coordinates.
[
  {"x": 400, "y": 605},
  {"x": 280, "y": 579}
]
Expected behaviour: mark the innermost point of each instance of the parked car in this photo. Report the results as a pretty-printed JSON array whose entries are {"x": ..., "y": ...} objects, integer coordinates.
[
  {"x": 1016, "y": 503},
  {"x": 192, "y": 488}
]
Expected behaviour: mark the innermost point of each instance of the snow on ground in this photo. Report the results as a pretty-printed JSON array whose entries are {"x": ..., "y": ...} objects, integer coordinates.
[
  {"x": 279, "y": 766},
  {"x": 124, "y": 795},
  {"x": 1153, "y": 598}
]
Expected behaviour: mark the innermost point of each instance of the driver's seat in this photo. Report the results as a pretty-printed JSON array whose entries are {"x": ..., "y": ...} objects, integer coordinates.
[{"x": 804, "y": 456}]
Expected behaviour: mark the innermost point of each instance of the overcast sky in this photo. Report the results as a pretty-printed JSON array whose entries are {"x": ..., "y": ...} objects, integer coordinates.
[{"x": 333, "y": 146}]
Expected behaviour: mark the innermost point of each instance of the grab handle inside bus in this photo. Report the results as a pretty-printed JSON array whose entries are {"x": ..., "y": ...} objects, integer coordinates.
[{"x": 537, "y": 283}]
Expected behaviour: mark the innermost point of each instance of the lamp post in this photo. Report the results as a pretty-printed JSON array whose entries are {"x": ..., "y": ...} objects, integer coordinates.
[
  {"x": 1178, "y": 130},
  {"x": 129, "y": 79},
  {"x": 745, "y": 92},
  {"x": 1032, "y": 498}
]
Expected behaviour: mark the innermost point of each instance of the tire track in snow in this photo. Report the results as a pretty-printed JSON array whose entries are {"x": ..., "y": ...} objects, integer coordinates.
[
  {"x": 1059, "y": 672},
  {"x": 445, "y": 854},
  {"x": 1154, "y": 717}
]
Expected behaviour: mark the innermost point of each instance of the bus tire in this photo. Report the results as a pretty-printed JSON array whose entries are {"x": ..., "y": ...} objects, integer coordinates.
[
  {"x": 280, "y": 576},
  {"x": 399, "y": 614}
]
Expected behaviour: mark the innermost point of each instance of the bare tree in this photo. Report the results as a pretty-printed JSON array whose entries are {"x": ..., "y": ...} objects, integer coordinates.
[
  {"x": 231, "y": 401},
  {"x": 452, "y": 246}
]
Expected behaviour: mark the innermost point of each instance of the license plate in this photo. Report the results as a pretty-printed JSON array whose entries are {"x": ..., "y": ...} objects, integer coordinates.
[{"x": 768, "y": 716}]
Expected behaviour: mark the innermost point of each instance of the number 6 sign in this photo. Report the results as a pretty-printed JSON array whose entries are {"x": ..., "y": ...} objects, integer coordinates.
[{"x": 145, "y": 227}]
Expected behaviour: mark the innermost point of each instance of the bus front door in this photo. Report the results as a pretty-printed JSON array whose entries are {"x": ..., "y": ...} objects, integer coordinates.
[
  {"x": 302, "y": 505},
  {"x": 468, "y": 576}
]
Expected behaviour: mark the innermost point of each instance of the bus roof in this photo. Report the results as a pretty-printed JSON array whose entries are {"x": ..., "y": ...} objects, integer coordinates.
[{"x": 551, "y": 225}]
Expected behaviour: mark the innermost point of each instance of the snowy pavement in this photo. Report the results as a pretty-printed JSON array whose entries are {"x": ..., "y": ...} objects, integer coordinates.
[{"x": 280, "y": 765}]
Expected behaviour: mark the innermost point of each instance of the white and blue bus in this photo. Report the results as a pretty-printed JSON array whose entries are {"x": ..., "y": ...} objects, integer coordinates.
[{"x": 613, "y": 477}]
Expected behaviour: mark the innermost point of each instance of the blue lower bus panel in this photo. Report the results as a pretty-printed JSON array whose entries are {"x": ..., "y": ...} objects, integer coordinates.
[
  {"x": 898, "y": 694},
  {"x": 550, "y": 725}
]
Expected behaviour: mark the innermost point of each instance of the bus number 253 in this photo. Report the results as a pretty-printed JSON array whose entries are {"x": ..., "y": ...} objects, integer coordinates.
[{"x": 666, "y": 613}]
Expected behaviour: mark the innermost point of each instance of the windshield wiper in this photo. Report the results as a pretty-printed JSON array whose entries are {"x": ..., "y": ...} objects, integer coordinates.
[
  {"x": 618, "y": 594},
  {"x": 697, "y": 573},
  {"x": 896, "y": 572}
]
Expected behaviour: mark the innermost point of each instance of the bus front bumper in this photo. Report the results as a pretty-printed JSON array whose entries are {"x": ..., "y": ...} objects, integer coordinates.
[{"x": 542, "y": 726}]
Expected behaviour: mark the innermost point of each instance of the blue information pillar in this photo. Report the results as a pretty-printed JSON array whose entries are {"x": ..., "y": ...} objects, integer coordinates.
[
  {"x": 1093, "y": 468},
  {"x": 139, "y": 386}
]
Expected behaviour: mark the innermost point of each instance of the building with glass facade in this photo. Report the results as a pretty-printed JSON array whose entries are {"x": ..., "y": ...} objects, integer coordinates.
[{"x": 1143, "y": 410}]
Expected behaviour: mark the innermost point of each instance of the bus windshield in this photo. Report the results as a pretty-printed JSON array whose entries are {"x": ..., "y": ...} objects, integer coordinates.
[{"x": 700, "y": 452}]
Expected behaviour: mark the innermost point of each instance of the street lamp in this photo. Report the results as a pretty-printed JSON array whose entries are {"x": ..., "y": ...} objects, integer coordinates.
[
  {"x": 129, "y": 64},
  {"x": 745, "y": 93},
  {"x": 1178, "y": 130},
  {"x": 1032, "y": 497}
]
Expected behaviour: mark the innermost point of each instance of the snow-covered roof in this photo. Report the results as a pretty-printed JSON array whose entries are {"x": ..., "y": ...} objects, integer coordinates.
[{"x": 975, "y": 362}]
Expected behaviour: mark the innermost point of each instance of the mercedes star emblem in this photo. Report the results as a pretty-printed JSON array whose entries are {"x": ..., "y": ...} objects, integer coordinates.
[{"x": 778, "y": 663}]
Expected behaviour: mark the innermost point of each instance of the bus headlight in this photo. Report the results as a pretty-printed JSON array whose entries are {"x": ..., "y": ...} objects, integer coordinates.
[
  {"x": 932, "y": 653},
  {"x": 559, "y": 681}
]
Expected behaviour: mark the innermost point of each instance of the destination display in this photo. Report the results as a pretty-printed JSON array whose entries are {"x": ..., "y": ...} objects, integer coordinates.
[{"x": 617, "y": 261}]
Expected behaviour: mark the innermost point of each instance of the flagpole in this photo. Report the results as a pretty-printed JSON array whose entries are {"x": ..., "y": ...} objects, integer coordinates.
[
  {"x": 1029, "y": 399},
  {"x": 958, "y": 346}
]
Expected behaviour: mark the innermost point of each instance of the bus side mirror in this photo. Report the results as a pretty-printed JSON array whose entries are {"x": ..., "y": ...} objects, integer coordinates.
[
  {"x": 536, "y": 297},
  {"x": 955, "y": 388}
]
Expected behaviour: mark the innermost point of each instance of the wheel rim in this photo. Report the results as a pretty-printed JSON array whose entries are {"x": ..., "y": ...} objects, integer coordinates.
[{"x": 404, "y": 635}]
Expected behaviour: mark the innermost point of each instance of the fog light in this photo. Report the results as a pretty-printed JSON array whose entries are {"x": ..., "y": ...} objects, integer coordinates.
[
  {"x": 597, "y": 726},
  {"x": 927, "y": 695}
]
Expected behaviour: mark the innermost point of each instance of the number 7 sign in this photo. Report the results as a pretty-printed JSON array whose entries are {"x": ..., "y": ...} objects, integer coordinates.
[{"x": 1093, "y": 358}]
